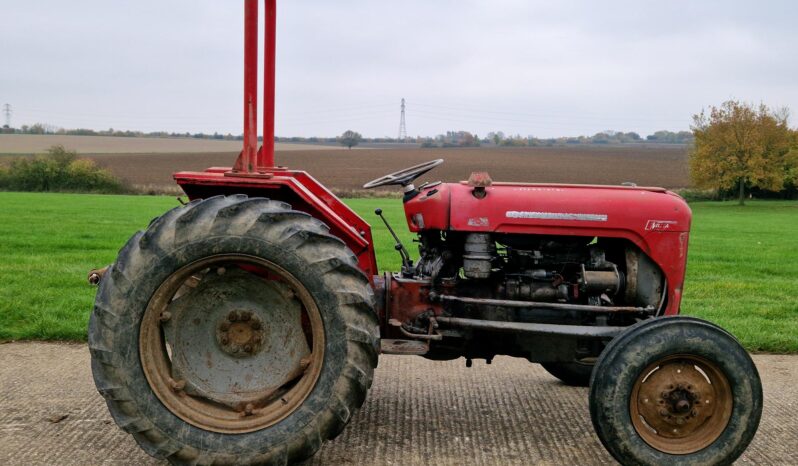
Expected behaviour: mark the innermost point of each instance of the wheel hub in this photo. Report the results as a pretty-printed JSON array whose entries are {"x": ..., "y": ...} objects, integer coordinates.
[
  {"x": 681, "y": 404},
  {"x": 240, "y": 333},
  {"x": 245, "y": 363},
  {"x": 230, "y": 347}
]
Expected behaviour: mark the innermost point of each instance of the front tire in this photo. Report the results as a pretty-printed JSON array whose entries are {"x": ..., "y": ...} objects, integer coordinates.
[
  {"x": 575, "y": 373},
  {"x": 675, "y": 390},
  {"x": 221, "y": 294}
]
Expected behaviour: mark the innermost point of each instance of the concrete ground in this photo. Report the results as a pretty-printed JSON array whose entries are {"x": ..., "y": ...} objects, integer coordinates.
[{"x": 418, "y": 412}]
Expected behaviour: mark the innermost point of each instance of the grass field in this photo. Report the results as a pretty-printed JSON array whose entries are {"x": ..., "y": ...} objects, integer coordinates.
[{"x": 742, "y": 274}]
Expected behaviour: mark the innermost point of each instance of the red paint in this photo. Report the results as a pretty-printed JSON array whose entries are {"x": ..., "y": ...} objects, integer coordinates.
[
  {"x": 254, "y": 172},
  {"x": 657, "y": 221},
  {"x": 266, "y": 154},
  {"x": 297, "y": 188},
  {"x": 247, "y": 157},
  {"x": 404, "y": 300},
  {"x": 572, "y": 210}
]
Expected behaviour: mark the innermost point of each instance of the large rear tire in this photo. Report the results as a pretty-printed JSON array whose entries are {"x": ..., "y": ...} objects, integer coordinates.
[
  {"x": 675, "y": 390},
  {"x": 233, "y": 330}
]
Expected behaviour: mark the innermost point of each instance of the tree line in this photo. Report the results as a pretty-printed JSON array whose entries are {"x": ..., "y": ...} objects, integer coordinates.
[{"x": 449, "y": 139}]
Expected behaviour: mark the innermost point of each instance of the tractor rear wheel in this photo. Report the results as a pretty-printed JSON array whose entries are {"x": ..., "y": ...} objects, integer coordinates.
[
  {"x": 233, "y": 330},
  {"x": 675, "y": 390}
]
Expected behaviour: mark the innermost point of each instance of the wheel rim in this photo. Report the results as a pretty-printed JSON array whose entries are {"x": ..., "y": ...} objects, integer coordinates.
[
  {"x": 681, "y": 404},
  {"x": 232, "y": 343}
]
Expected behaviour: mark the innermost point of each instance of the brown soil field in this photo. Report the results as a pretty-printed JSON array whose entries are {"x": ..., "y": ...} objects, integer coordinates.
[
  {"x": 348, "y": 170},
  {"x": 32, "y": 144}
]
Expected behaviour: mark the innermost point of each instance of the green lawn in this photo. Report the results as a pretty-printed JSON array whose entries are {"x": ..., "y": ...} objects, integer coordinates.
[{"x": 742, "y": 274}]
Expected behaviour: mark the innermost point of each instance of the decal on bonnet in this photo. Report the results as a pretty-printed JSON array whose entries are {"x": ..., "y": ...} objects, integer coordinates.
[
  {"x": 660, "y": 225},
  {"x": 478, "y": 222},
  {"x": 557, "y": 216}
]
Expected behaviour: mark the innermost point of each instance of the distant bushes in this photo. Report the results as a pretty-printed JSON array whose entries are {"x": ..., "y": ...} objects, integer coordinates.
[{"x": 59, "y": 170}]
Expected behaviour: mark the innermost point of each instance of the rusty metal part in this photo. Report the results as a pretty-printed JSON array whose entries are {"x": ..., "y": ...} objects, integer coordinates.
[
  {"x": 95, "y": 275},
  {"x": 409, "y": 347},
  {"x": 240, "y": 333},
  {"x": 417, "y": 336},
  {"x": 603, "y": 281},
  {"x": 199, "y": 380},
  {"x": 681, "y": 404},
  {"x": 540, "y": 304},
  {"x": 404, "y": 299},
  {"x": 582, "y": 331}
]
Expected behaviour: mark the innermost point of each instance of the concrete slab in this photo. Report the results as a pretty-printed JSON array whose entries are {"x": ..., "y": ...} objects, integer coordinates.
[{"x": 418, "y": 412}]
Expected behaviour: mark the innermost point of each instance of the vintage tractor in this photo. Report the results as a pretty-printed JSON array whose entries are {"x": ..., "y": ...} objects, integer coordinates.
[{"x": 244, "y": 326}]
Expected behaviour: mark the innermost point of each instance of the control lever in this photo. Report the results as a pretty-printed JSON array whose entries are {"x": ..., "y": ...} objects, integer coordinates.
[{"x": 407, "y": 264}]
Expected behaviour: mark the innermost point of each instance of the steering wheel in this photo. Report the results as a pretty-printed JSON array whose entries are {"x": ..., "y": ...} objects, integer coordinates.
[{"x": 403, "y": 177}]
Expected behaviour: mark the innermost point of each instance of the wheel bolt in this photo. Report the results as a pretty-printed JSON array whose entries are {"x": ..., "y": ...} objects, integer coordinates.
[
  {"x": 245, "y": 316},
  {"x": 221, "y": 271},
  {"x": 233, "y": 316},
  {"x": 236, "y": 349},
  {"x": 256, "y": 339},
  {"x": 177, "y": 385},
  {"x": 255, "y": 325},
  {"x": 165, "y": 316},
  {"x": 224, "y": 327},
  {"x": 248, "y": 409},
  {"x": 248, "y": 348},
  {"x": 694, "y": 413},
  {"x": 225, "y": 340},
  {"x": 662, "y": 412}
]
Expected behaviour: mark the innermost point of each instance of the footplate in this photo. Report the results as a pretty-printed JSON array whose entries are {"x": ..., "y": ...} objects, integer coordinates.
[{"x": 414, "y": 347}]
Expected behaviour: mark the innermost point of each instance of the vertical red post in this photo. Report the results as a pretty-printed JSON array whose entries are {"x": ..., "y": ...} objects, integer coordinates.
[
  {"x": 266, "y": 154},
  {"x": 248, "y": 156}
]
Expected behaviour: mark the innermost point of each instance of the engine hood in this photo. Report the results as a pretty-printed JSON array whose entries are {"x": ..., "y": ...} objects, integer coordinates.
[{"x": 549, "y": 209}]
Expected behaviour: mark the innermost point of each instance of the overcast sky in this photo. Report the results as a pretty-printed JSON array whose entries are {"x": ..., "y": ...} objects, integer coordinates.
[{"x": 542, "y": 68}]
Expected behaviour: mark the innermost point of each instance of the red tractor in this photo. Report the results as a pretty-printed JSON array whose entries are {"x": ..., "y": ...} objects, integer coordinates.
[{"x": 244, "y": 327}]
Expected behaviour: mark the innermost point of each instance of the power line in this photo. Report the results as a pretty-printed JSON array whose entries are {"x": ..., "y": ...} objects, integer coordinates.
[
  {"x": 7, "y": 112},
  {"x": 402, "y": 125}
]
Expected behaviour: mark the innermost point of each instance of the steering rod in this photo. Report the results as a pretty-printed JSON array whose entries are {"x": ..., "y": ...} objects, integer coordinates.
[{"x": 407, "y": 264}]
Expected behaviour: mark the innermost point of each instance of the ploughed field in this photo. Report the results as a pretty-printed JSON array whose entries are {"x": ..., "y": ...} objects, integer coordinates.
[
  {"x": 25, "y": 144},
  {"x": 347, "y": 170}
]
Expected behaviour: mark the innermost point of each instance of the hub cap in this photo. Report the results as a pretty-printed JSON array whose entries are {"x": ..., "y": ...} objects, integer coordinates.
[
  {"x": 681, "y": 404},
  {"x": 232, "y": 343}
]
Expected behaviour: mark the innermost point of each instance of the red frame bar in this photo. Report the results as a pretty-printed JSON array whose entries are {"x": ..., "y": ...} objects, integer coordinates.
[
  {"x": 254, "y": 173},
  {"x": 245, "y": 161},
  {"x": 266, "y": 154},
  {"x": 251, "y": 160}
]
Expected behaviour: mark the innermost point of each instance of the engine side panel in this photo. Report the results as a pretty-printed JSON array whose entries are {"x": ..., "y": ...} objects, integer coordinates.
[{"x": 655, "y": 220}]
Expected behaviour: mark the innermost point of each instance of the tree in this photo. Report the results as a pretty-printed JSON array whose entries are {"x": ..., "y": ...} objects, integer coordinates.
[
  {"x": 350, "y": 138},
  {"x": 738, "y": 145}
]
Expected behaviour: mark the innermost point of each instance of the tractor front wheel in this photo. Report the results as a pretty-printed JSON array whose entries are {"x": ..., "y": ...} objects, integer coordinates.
[
  {"x": 576, "y": 373},
  {"x": 675, "y": 390},
  {"x": 233, "y": 330}
]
